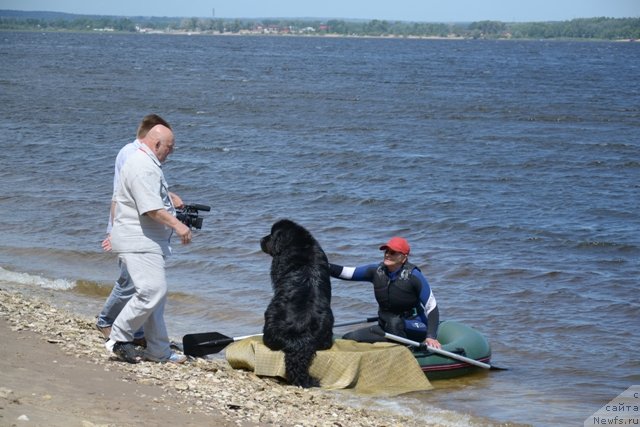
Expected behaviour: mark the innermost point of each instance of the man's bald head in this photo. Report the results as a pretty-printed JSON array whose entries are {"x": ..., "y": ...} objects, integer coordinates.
[{"x": 161, "y": 141}]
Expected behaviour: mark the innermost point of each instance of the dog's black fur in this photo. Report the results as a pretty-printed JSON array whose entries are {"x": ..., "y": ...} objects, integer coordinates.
[{"x": 299, "y": 319}]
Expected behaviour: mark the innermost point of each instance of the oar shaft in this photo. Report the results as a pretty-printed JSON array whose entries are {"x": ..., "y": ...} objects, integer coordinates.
[
  {"x": 246, "y": 336},
  {"x": 211, "y": 346},
  {"x": 439, "y": 351},
  {"x": 355, "y": 322}
]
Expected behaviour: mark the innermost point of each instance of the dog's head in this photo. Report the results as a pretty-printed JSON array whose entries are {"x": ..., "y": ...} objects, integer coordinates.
[{"x": 284, "y": 233}]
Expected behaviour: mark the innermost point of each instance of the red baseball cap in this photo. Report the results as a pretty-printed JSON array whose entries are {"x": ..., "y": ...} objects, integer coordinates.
[{"x": 397, "y": 244}]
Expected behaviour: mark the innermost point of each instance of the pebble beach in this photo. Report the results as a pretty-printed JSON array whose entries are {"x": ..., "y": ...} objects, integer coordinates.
[{"x": 56, "y": 371}]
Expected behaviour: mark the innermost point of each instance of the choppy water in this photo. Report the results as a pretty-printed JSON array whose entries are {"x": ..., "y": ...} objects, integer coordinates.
[{"x": 512, "y": 168}]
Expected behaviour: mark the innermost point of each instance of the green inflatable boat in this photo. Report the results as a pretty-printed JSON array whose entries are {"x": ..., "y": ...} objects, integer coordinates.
[{"x": 457, "y": 338}]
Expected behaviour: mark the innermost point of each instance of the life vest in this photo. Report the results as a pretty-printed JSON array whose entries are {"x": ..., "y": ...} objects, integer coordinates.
[{"x": 396, "y": 296}]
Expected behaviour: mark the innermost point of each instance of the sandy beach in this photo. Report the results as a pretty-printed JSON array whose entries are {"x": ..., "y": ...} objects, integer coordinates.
[{"x": 55, "y": 371}]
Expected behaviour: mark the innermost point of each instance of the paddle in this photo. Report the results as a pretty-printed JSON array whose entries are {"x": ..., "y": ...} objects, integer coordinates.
[
  {"x": 442, "y": 352},
  {"x": 199, "y": 345}
]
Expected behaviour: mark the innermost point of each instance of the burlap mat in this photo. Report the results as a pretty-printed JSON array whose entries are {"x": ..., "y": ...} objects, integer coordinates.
[{"x": 381, "y": 369}]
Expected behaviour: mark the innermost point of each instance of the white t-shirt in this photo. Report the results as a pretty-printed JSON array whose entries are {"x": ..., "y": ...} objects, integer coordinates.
[
  {"x": 141, "y": 188},
  {"x": 121, "y": 158}
]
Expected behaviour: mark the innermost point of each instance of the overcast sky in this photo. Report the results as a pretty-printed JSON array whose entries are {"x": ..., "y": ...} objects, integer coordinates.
[{"x": 402, "y": 10}]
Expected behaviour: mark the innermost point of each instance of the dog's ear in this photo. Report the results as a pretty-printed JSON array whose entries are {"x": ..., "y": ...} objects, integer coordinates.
[
  {"x": 276, "y": 237},
  {"x": 276, "y": 242}
]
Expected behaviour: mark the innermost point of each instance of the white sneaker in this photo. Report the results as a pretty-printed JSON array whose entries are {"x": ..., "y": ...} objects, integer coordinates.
[{"x": 173, "y": 358}]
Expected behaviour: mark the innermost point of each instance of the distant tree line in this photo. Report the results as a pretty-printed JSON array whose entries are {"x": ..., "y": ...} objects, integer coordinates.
[
  {"x": 587, "y": 28},
  {"x": 78, "y": 24}
]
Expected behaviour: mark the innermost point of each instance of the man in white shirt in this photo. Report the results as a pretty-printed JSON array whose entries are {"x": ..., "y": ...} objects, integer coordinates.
[
  {"x": 143, "y": 224},
  {"x": 123, "y": 288}
]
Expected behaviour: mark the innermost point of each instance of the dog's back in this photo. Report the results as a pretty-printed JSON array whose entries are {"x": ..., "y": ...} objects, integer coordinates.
[{"x": 299, "y": 319}]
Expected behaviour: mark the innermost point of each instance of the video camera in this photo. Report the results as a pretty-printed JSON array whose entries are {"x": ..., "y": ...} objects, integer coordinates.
[{"x": 188, "y": 215}]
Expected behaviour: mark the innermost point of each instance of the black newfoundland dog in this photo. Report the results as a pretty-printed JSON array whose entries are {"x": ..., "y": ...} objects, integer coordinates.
[{"x": 299, "y": 319}]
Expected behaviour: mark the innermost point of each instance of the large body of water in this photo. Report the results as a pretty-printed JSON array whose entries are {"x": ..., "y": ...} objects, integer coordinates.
[{"x": 513, "y": 168}]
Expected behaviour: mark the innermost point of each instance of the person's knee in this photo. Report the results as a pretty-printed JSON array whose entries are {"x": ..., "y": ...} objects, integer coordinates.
[
  {"x": 395, "y": 326},
  {"x": 152, "y": 295},
  {"x": 370, "y": 334},
  {"x": 148, "y": 278},
  {"x": 349, "y": 336},
  {"x": 415, "y": 330}
]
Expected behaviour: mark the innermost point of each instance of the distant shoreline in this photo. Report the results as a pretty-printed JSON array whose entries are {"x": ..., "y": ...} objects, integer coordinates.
[
  {"x": 598, "y": 28},
  {"x": 329, "y": 35}
]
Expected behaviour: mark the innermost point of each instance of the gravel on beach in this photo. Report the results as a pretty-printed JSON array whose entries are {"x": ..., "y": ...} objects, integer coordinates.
[{"x": 199, "y": 388}]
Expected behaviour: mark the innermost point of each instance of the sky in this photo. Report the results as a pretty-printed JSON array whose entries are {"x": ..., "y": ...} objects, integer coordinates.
[{"x": 400, "y": 10}]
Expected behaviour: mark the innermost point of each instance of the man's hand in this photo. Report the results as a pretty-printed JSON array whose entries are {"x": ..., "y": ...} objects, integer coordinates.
[
  {"x": 183, "y": 232},
  {"x": 433, "y": 343},
  {"x": 106, "y": 243},
  {"x": 164, "y": 217}
]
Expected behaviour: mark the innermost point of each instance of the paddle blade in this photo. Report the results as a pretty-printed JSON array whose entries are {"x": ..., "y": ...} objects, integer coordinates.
[
  {"x": 199, "y": 345},
  {"x": 498, "y": 368}
]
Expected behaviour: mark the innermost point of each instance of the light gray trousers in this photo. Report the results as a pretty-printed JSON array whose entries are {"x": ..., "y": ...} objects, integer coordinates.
[{"x": 146, "y": 306}]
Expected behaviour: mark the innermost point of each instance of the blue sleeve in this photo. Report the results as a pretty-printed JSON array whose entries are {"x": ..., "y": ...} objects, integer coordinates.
[
  {"x": 433, "y": 323},
  {"x": 363, "y": 273}
]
